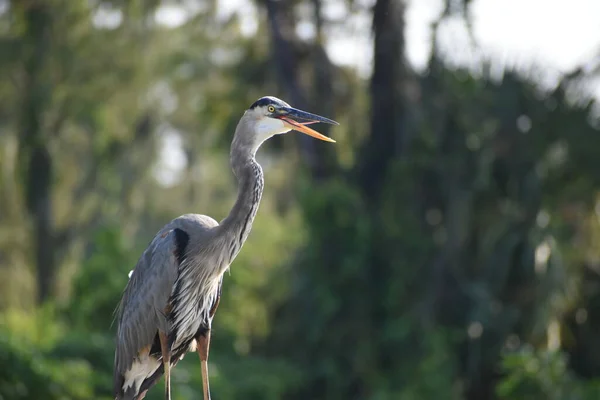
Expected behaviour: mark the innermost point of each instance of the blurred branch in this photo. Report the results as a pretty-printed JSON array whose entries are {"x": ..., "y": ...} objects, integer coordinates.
[
  {"x": 452, "y": 8},
  {"x": 61, "y": 117},
  {"x": 591, "y": 68}
]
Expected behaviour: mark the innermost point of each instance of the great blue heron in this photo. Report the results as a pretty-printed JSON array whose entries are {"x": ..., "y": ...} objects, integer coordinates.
[{"x": 172, "y": 295}]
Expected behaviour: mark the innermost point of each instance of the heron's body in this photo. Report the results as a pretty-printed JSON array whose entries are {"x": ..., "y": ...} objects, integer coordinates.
[
  {"x": 188, "y": 310},
  {"x": 173, "y": 293}
]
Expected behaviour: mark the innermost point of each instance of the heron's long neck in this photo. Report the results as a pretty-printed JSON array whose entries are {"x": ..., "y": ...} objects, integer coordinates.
[{"x": 238, "y": 223}]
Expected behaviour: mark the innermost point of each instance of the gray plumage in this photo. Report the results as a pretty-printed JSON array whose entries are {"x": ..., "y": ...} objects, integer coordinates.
[{"x": 169, "y": 302}]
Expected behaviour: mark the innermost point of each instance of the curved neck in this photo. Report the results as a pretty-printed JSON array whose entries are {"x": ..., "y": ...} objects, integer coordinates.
[{"x": 250, "y": 179}]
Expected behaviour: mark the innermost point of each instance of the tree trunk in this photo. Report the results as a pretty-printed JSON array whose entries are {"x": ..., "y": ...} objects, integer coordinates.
[
  {"x": 387, "y": 109},
  {"x": 286, "y": 60},
  {"x": 323, "y": 98},
  {"x": 35, "y": 162}
]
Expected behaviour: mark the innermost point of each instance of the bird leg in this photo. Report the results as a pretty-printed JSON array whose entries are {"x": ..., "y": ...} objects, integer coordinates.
[
  {"x": 166, "y": 359},
  {"x": 203, "y": 345}
]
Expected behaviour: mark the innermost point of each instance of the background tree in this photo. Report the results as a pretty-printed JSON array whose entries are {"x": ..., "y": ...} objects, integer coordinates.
[{"x": 445, "y": 247}]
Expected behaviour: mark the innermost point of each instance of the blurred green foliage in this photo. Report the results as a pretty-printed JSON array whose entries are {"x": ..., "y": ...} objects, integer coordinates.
[
  {"x": 535, "y": 374},
  {"x": 446, "y": 247}
]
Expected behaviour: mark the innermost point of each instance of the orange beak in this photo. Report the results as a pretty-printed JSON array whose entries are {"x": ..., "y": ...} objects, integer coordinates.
[
  {"x": 301, "y": 127},
  {"x": 297, "y": 120}
]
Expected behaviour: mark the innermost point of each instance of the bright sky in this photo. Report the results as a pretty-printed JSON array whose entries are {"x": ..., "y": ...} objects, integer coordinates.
[{"x": 565, "y": 34}]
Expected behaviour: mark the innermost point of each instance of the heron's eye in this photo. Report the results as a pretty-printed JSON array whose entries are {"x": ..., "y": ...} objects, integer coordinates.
[{"x": 271, "y": 109}]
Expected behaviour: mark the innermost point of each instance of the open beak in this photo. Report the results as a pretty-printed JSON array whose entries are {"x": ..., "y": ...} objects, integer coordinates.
[{"x": 297, "y": 120}]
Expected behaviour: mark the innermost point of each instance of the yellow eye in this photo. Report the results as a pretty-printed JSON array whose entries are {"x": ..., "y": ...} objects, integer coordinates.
[{"x": 271, "y": 109}]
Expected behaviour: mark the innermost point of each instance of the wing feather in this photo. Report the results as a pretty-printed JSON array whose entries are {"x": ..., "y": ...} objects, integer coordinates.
[{"x": 141, "y": 311}]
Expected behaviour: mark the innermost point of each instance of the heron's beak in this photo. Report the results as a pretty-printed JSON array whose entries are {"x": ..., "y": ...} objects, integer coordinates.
[{"x": 297, "y": 120}]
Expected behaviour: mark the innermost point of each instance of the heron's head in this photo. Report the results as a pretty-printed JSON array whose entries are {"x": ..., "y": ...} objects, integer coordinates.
[{"x": 270, "y": 116}]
